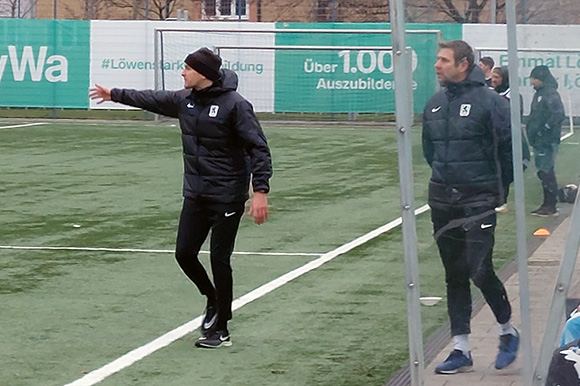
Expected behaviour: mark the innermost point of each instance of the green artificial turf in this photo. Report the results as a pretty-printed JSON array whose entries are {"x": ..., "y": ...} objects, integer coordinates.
[{"x": 118, "y": 185}]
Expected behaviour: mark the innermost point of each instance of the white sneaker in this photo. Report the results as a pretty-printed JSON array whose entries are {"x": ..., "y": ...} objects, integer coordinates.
[{"x": 502, "y": 209}]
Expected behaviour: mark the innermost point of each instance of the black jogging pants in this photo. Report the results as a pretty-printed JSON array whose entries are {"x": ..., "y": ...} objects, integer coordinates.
[
  {"x": 466, "y": 253},
  {"x": 198, "y": 218}
]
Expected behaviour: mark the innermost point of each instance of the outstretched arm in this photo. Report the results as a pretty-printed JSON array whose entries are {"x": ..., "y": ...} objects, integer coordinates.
[
  {"x": 158, "y": 102},
  {"x": 101, "y": 93}
]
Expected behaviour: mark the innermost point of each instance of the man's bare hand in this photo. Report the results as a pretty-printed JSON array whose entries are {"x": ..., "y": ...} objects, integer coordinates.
[
  {"x": 101, "y": 93},
  {"x": 259, "y": 207}
]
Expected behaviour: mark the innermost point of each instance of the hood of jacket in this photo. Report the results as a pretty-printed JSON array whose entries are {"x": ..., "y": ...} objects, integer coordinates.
[
  {"x": 505, "y": 80},
  {"x": 475, "y": 78},
  {"x": 228, "y": 81},
  {"x": 550, "y": 84}
]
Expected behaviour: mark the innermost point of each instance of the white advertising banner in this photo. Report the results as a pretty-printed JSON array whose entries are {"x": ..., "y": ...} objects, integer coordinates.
[
  {"x": 557, "y": 47},
  {"x": 123, "y": 55}
]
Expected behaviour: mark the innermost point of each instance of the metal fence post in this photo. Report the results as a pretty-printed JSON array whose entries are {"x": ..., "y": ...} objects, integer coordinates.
[
  {"x": 404, "y": 117},
  {"x": 522, "y": 258}
]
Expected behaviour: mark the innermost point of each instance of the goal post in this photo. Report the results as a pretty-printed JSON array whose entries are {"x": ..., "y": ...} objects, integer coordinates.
[{"x": 306, "y": 70}]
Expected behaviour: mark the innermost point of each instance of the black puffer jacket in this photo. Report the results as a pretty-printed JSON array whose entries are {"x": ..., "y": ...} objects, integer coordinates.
[
  {"x": 223, "y": 142},
  {"x": 563, "y": 366},
  {"x": 467, "y": 143},
  {"x": 544, "y": 125}
]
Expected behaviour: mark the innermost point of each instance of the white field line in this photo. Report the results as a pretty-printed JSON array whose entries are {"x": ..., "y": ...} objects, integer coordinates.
[
  {"x": 131, "y": 250},
  {"x": 139, "y": 353},
  {"x": 23, "y": 125},
  {"x": 566, "y": 136}
]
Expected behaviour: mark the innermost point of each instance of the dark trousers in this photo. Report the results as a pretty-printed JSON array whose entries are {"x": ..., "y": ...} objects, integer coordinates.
[
  {"x": 545, "y": 163},
  {"x": 550, "y": 188},
  {"x": 466, "y": 253},
  {"x": 198, "y": 217}
]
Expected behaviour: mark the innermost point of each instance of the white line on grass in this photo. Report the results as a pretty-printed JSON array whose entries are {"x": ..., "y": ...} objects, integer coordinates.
[
  {"x": 23, "y": 125},
  {"x": 566, "y": 136},
  {"x": 139, "y": 353},
  {"x": 99, "y": 249}
]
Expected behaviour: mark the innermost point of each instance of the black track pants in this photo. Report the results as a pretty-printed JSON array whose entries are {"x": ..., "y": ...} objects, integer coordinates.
[
  {"x": 198, "y": 218},
  {"x": 466, "y": 253}
]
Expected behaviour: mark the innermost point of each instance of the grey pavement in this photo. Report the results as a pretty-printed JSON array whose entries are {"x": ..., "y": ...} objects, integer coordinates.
[{"x": 543, "y": 267}]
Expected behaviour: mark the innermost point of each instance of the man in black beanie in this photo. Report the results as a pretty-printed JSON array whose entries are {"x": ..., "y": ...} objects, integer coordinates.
[
  {"x": 544, "y": 128},
  {"x": 224, "y": 149},
  {"x": 205, "y": 62}
]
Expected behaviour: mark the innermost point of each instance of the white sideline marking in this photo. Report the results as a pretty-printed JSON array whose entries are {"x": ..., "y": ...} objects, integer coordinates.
[
  {"x": 23, "y": 125},
  {"x": 150, "y": 250},
  {"x": 139, "y": 353}
]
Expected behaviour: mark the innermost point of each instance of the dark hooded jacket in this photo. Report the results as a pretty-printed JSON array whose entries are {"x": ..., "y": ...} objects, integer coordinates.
[
  {"x": 223, "y": 143},
  {"x": 544, "y": 126},
  {"x": 504, "y": 88},
  {"x": 563, "y": 366},
  {"x": 467, "y": 143},
  {"x": 505, "y": 80},
  {"x": 505, "y": 91}
]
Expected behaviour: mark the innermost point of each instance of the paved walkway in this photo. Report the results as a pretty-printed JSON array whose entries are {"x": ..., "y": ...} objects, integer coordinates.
[{"x": 543, "y": 270}]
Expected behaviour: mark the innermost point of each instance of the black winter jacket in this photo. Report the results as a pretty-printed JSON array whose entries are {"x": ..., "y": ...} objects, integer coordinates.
[
  {"x": 563, "y": 366},
  {"x": 544, "y": 125},
  {"x": 467, "y": 143},
  {"x": 223, "y": 142}
]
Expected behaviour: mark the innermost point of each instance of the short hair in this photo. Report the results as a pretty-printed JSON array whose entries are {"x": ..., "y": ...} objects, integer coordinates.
[
  {"x": 488, "y": 61},
  {"x": 461, "y": 51}
]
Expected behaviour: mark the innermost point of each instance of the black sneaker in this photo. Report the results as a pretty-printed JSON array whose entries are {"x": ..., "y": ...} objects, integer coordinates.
[
  {"x": 220, "y": 338},
  {"x": 209, "y": 320},
  {"x": 544, "y": 211}
]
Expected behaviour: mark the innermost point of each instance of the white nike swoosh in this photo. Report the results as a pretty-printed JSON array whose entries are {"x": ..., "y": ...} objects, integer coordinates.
[
  {"x": 435, "y": 109},
  {"x": 224, "y": 338},
  {"x": 229, "y": 214},
  {"x": 209, "y": 324},
  {"x": 485, "y": 226},
  {"x": 190, "y": 106}
]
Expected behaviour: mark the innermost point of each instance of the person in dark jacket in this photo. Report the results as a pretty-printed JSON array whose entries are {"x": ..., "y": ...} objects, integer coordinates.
[
  {"x": 544, "y": 128},
  {"x": 500, "y": 82},
  {"x": 224, "y": 149},
  {"x": 564, "y": 367},
  {"x": 467, "y": 143}
]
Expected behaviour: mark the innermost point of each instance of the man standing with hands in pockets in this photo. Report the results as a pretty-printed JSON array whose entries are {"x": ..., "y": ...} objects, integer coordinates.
[
  {"x": 467, "y": 143},
  {"x": 224, "y": 150}
]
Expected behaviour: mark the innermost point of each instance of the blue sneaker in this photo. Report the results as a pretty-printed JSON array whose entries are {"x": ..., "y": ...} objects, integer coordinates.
[
  {"x": 456, "y": 362},
  {"x": 508, "y": 350}
]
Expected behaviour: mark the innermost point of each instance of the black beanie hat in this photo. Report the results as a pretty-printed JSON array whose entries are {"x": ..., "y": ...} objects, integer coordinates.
[
  {"x": 205, "y": 62},
  {"x": 540, "y": 73},
  {"x": 543, "y": 74}
]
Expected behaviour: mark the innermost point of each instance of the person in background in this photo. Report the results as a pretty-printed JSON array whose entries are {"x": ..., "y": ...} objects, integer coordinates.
[
  {"x": 467, "y": 142},
  {"x": 486, "y": 64},
  {"x": 500, "y": 82},
  {"x": 544, "y": 129},
  {"x": 564, "y": 367},
  {"x": 224, "y": 149}
]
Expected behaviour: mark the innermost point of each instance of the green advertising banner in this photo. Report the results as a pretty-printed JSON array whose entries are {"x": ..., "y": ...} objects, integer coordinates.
[
  {"x": 44, "y": 63},
  {"x": 350, "y": 78}
]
